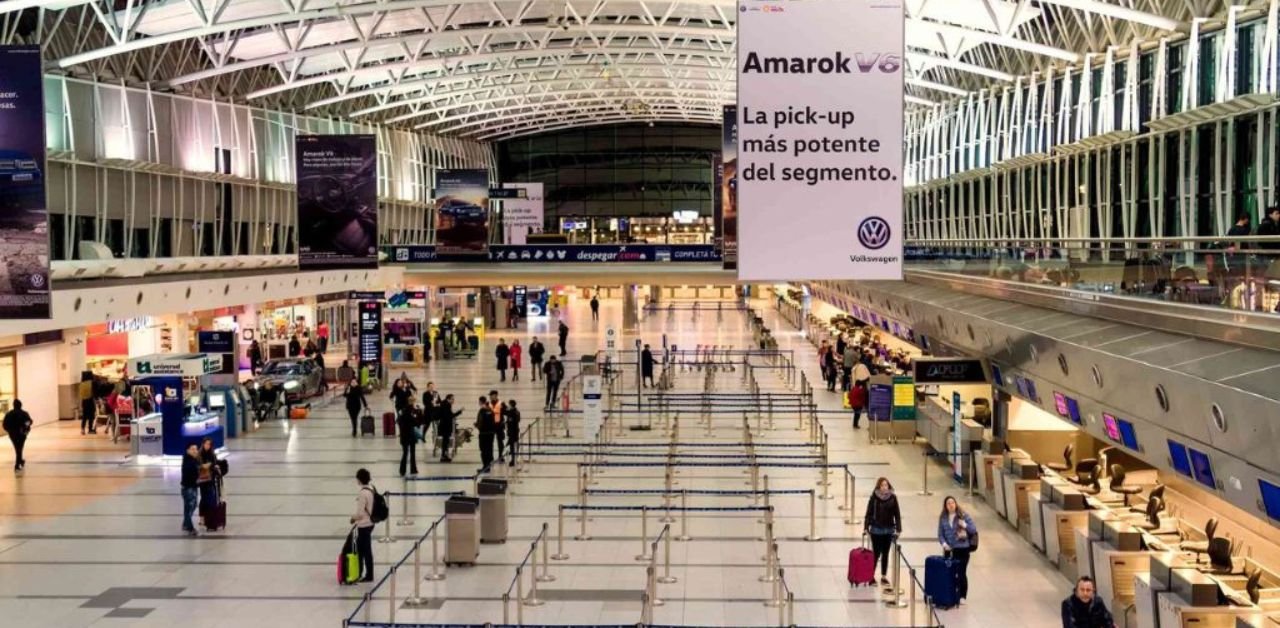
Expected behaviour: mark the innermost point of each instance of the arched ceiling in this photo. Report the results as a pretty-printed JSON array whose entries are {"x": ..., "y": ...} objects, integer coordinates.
[{"x": 500, "y": 68}]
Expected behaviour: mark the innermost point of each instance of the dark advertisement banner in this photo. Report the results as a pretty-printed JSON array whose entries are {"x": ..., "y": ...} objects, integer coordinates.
[
  {"x": 216, "y": 341},
  {"x": 462, "y": 211},
  {"x": 717, "y": 207},
  {"x": 949, "y": 371},
  {"x": 337, "y": 201},
  {"x": 369, "y": 332},
  {"x": 563, "y": 254},
  {"x": 880, "y": 402},
  {"x": 24, "y": 216},
  {"x": 728, "y": 225}
]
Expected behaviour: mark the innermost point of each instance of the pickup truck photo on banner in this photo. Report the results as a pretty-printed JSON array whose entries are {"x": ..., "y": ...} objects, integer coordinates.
[
  {"x": 462, "y": 211},
  {"x": 819, "y": 163},
  {"x": 337, "y": 201},
  {"x": 24, "y": 216}
]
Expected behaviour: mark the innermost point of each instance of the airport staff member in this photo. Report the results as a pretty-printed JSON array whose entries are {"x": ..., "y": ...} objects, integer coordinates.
[{"x": 1083, "y": 610}]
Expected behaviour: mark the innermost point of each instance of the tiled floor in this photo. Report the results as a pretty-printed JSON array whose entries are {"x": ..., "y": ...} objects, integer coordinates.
[{"x": 88, "y": 539}]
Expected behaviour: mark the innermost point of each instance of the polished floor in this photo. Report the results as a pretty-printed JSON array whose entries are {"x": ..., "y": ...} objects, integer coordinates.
[{"x": 86, "y": 538}]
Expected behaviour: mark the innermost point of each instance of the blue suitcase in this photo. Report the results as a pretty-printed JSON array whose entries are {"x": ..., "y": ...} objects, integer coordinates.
[{"x": 940, "y": 582}]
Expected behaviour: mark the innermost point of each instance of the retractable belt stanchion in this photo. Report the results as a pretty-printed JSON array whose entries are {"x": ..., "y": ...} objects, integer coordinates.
[
  {"x": 391, "y": 594},
  {"x": 416, "y": 600},
  {"x": 404, "y": 504},
  {"x": 813, "y": 517},
  {"x": 644, "y": 535},
  {"x": 894, "y": 598},
  {"x": 911, "y": 596},
  {"x": 533, "y": 599},
  {"x": 560, "y": 554},
  {"x": 546, "y": 564},
  {"x": 386, "y": 528},
  {"x": 435, "y": 574},
  {"x": 684, "y": 517},
  {"x": 924, "y": 475},
  {"x": 850, "y": 497}
]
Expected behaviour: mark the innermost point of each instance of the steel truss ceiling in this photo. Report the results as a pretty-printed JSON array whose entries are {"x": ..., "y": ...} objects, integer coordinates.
[{"x": 499, "y": 68}]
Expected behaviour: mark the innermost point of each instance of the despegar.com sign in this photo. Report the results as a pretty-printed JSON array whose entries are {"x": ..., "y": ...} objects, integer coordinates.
[{"x": 819, "y": 172}]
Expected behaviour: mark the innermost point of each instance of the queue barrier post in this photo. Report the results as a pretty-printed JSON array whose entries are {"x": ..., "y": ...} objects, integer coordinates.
[
  {"x": 391, "y": 597},
  {"x": 386, "y": 528},
  {"x": 544, "y": 541},
  {"x": 666, "y": 577},
  {"x": 775, "y": 597},
  {"x": 533, "y": 599},
  {"x": 765, "y": 491},
  {"x": 911, "y": 595},
  {"x": 684, "y": 517},
  {"x": 769, "y": 556},
  {"x": 416, "y": 600},
  {"x": 435, "y": 574},
  {"x": 924, "y": 476},
  {"x": 813, "y": 517},
  {"x": 560, "y": 555},
  {"x": 644, "y": 556},
  {"x": 894, "y": 599},
  {"x": 506, "y": 609},
  {"x": 404, "y": 504}
]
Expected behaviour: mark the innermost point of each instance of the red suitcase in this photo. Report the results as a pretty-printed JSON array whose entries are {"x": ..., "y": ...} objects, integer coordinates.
[
  {"x": 389, "y": 424},
  {"x": 862, "y": 565}
]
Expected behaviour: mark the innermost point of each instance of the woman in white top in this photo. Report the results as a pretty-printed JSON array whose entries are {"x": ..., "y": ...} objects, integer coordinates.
[{"x": 363, "y": 520}]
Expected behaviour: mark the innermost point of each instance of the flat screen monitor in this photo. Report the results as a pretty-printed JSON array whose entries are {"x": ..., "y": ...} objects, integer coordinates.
[
  {"x": 997, "y": 376},
  {"x": 1128, "y": 434},
  {"x": 1202, "y": 468},
  {"x": 1109, "y": 426},
  {"x": 1178, "y": 457},
  {"x": 217, "y": 400},
  {"x": 1031, "y": 391},
  {"x": 1073, "y": 411},
  {"x": 1060, "y": 403},
  {"x": 1270, "y": 498}
]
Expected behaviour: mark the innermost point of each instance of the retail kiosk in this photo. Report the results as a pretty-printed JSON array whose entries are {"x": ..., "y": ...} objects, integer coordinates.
[{"x": 171, "y": 386}]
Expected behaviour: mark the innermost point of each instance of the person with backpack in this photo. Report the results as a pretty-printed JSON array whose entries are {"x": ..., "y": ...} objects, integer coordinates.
[
  {"x": 958, "y": 534},
  {"x": 512, "y": 422},
  {"x": 355, "y": 401},
  {"x": 487, "y": 428},
  {"x": 536, "y": 351},
  {"x": 883, "y": 522},
  {"x": 371, "y": 509},
  {"x": 857, "y": 402}
]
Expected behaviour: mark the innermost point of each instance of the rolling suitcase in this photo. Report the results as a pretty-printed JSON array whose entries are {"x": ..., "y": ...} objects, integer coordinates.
[
  {"x": 862, "y": 565},
  {"x": 216, "y": 518},
  {"x": 388, "y": 424},
  {"x": 366, "y": 425},
  {"x": 940, "y": 581},
  {"x": 349, "y": 560},
  {"x": 298, "y": 413}
]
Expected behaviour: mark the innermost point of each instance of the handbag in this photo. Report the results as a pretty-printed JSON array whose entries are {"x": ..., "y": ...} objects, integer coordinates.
[
  {"x": 973, "y": 542},
  {"x": 205, "y": 474}
]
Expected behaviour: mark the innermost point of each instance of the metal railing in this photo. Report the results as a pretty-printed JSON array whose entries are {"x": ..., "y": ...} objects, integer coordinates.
[
  {"x": 389, "y": 579},
  {"x": 517, "y": 582}
]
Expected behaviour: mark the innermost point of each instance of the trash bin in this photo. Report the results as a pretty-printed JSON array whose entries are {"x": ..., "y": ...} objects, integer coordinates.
[
  {"x": 493, "y": 510},
  {"x": 462, "y": 526}
]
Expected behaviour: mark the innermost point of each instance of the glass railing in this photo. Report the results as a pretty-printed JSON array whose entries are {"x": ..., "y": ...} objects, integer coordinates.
[{"x": 1239, "y": 273}]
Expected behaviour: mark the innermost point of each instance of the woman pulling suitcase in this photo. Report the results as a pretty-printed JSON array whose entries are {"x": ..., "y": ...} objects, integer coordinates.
[{"x": 958, "y": 536}]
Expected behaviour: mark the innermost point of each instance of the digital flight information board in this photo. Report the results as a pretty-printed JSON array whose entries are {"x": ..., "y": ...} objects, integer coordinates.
[{"x": 370, "y": 332}]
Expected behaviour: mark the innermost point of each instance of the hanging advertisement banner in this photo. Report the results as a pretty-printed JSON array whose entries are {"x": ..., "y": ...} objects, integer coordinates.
[
  {"x": 462, "y": 211},
  {"x": 728, "y": 185},
  {"x": 24, "y": 215},
  {"x": 717, "y": 211},
  {"x": 522, "y": 214},
  {"x": 820, "y": 139},
  {"x": 337, "y": 197}
]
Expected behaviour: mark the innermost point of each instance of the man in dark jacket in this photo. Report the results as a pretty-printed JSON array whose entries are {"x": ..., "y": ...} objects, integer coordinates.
[
  {"x": 595, "y": 308},
  {"x": 536, "y": 351},
  {"x": 553, "y": 372},
  {"x": 487, "y": 428},
  {"x": 512, "y": 422},
  {"x": 646, "y": 366},
  {"x": 17, "y": 423},
  {"x": 1083, "y": 610},
  {"x": 563, "y": 333},
  {"x": 1270, "y": 226},
  {"x": 190, "y": 490},
  {"x": 502, "y": 353},
  {"x": 405, "y": 422},
  {"x": 445, "y": 418}
]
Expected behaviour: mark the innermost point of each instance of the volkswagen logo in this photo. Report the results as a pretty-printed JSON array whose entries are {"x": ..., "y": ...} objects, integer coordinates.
[{"x": 873, "y": 232}]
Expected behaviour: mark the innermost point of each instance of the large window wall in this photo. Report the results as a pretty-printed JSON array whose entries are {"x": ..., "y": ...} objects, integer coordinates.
[
  {"x": 153, "y": 175},
  {"x": 617, "y": 171},
  {"x": 1167, "y": 138}
]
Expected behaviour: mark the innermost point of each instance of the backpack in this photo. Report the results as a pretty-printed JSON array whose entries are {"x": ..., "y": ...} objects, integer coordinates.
[{"x": 380, "y": 512}]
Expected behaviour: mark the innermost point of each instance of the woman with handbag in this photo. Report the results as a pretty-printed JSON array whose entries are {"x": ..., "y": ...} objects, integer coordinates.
[
  {"x": 959, "y": 538},
  {"x": 207, "y": 480}
]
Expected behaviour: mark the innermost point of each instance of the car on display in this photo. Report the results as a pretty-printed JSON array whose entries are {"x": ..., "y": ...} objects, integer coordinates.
[{"x": 299, "y": 378}]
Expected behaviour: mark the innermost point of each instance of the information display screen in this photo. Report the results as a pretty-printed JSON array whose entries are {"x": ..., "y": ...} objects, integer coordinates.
[
  {"x": 1109, "y": 426},
  {"x": 997, "y": 376},
  {"x": 880, "y": 402},
  {"x": 1270, "y": 498},
  {"x": 1178, "y": 458},
  {"x": 1128, "y": 434},
  {"x": 904, "y": 398},
  {"x": 370, "y": 332},
  {"x": 1060, "y": 403},
  {"x": 1202, "y": 468}
]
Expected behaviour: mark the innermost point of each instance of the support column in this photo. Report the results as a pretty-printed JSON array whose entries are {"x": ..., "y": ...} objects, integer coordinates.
[{"x": 630, "y": 308}]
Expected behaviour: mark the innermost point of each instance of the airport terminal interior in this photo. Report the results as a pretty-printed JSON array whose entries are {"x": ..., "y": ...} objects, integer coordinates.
[{"x": 435, "y": 313}]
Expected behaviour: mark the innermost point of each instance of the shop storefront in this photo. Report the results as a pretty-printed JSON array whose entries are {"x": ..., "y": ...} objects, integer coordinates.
[
  {"x": 280, "y": 321},
  {"x": 109, "y": 345}
]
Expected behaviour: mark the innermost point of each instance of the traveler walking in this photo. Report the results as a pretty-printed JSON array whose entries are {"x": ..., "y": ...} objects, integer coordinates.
[
  {"x": 401, "y": 395},
  {"x": 958, "y": 535},
  {"x": 883, "y": 521},
  {"x": 517, "y": 352},
  {"x": 857, "y": 402},
  {"x": 430, "y": 410},
  {"x": 536, "y": 351},
  {"x": 355, "y": 400},
  {"x": 1082, "y": 609},
  {"x": 255, "y": 357},
  {"x": 829, "y": 369},
  {"x": 595, "y": 307},
  {"x": 486, "y": 427},
  {"x": 408, "y": 440},
  {"x": 17, "y": 424},
  {"x": 512, "y": 422},
  {"x": 88, "y": 409},
  {"x": 861, "y": 374},
  {"x": 446, "y": 418},
  {"x": 503, "y": 354},
  {"x": 190, "y": 475},
  {"x": 563, "y": 332},
  {"x": 646, "y": 366},
  {"x": 553, "y": 372},
  {"x": 363, "y": 521}
]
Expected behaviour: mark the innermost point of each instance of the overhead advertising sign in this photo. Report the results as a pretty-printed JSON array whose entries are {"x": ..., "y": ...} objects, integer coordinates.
[
  {"x": 522, "y": 214},
  {"x": 369, "y": 332},
  {"x": 564, "y": 254},
  {"x": 216, "y": 341},
  {"x": 949, "y": 371},
  {"x": 24, "y": 214},
  {"x": 819, "y": 164},
  {"x": 728, "y": 182},
  {"x": 181, "y": 365},
  {"x": 717, "y": 203},
  {"x": 337, "y": 198},
  {"x": 462, "y": 211}
]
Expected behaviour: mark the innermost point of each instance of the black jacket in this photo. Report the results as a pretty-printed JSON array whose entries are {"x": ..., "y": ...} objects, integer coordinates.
[
  {"x": 430, "y": 404},
  {"x": 401, "y": 396},
  {"x": 1077, "y": 614},
  {"x": 536, "y": 351},
  {"x": 883, "y": 513},
  {"x": 646, "y": 363},
  {"x": 554, "y": 372},
  {"x": 190, "y": 471},
  {"x": 355, "y": 399},
  {"x": 485, "y": 423},
  {"x": 513, "y": 423},
  {"x": 446, "y": 416},
  {"x": 17, "y": 422},
  {"x": 502, "y": 353},
  {"x": 405, "y": 422},
  {"x": 1271, "y": 228}
]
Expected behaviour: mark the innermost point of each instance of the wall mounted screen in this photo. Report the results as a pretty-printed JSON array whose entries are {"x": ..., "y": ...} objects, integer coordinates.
[
  {"x": 1128, "y": 434},
  {"x": 1178, "y": 458},
  {"x": 997, "y": 376},
  {"x": 1270, "y": 498},
  {"x": 1202, "y": 468},
  {"x": 1109, "y": 426}
]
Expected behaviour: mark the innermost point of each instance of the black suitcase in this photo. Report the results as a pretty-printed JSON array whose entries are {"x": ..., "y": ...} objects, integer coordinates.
[{"x": 367, "y": 425}]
